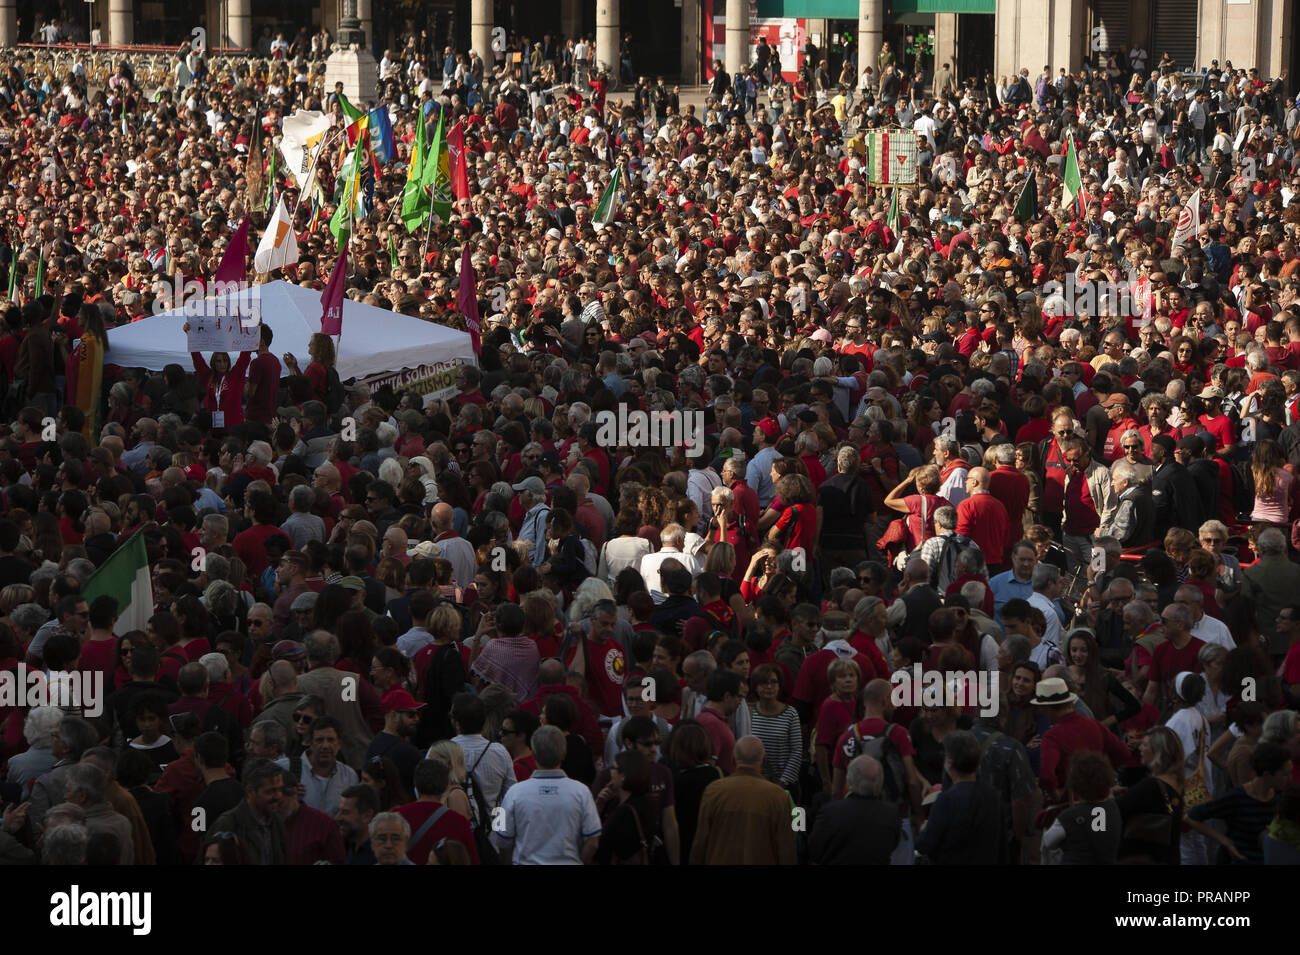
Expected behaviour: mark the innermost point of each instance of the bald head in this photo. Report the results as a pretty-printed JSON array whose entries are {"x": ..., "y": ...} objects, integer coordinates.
[
  {"x": 749, "y": 752},
  {"x": 578, "y": 484},
  {"x": 917, "y": 570},
  {"x": 551, "y": 673},
  {"x": 284, "y": 678},
  {"x": 979, "y": 477},
  {"x": 443, "y": 516},
  {"x": 328, "y": 477},
  {"x": 173, "y": 476}
]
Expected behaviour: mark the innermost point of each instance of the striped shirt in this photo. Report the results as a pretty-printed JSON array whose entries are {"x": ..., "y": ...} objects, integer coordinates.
[
  {"x": 783, "y": 742},
  {"x": 1246, "y": 817}
]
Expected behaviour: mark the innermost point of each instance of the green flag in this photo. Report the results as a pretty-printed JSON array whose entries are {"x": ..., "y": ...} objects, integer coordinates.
[
  {"x": 1073, "y": 181},
  {"x": 347, "y": 194},
  {"x": 435, "y": 175},
  {"x": 1027, "y": 205},
  {"x": 270, "y": 184},
  {"x": 125, "y": 577},
  {"x": 607, "y": 208},
  {"x": 415, "y": 201},
  {"x": 392, "y": 250},
  {"x": 892, "y": 219},
  {"x": 40, "y": 276}
]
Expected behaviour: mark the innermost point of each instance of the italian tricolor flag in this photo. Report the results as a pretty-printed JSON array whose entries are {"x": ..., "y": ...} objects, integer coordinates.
[
  {"x": 607, "y": 208},
  {"x": 1073, "y": 181},
  {"x": 125, "y": 576}
]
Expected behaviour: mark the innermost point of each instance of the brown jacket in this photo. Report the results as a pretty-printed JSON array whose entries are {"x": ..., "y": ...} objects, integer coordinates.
[{"x": 744, "y": 820}]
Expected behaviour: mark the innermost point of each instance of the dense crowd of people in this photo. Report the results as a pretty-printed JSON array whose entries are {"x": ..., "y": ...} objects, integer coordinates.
[{"x": 397, "y": 627}]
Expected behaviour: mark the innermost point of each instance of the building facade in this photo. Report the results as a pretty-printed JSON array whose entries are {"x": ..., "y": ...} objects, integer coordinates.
[{"x": 681, "y": 39}]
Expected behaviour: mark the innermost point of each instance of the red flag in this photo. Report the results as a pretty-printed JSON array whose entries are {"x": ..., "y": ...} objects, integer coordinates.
[
  {"x": 234, "y": 264},
  {"x": 331, "y": 321},
  {"x": 467, "y": 299},
  {"x": 459, "y": 175}
]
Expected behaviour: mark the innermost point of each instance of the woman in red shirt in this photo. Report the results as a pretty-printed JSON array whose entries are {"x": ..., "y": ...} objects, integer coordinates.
[
  {"x": 796, "y": 528},
  {"x": 223, "y": 386},
  {"x": 321, "y": 350}
]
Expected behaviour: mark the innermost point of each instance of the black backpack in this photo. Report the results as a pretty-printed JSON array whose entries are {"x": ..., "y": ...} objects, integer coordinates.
[
  {"x": 882, "y": 749},
  {"x": 953, "y": 547},
  {"x": 482, "y": 821}
]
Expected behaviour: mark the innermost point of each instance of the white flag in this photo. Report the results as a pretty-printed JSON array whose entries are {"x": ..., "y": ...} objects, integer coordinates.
[
  {"x": 1189, "y": 221},
  {"x": 300, "y": 136},
  {"x": 279, "y": 245}
]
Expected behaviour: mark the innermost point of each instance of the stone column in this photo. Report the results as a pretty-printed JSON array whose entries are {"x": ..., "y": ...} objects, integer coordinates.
[
  {"x": 691, "y": 38},
  {"x": 480, "y": 33},
  {"x": 607, "y": 36},
  {"x": 737, "y": 35},
  {"x": 365, "y": 13},
  {"x": 121, "y": 21},
  {"x": 8, "y": 23},
  {"x": 945, "y": 43},
  {"x": 239, "y": 23},
  {"x": 871, "y": 34}
]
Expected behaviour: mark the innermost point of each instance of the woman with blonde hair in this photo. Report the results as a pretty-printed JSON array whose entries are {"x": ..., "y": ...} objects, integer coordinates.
[
  {"x": 1152, "y": 810},
  {"x": 454, "y": 798}
]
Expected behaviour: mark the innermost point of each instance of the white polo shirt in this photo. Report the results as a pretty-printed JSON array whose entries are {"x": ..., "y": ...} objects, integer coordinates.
[{"x": 547, "y": 818}]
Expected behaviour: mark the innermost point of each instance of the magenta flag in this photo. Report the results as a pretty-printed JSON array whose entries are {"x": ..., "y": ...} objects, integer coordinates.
[
  {"x": 331, "y": 320},
  {"x": 234, "y": 263},
  {"x": 467, "y": 299}
]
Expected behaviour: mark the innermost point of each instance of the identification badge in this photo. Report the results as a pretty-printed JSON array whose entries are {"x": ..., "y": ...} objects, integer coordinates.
[{"x": 218, "y": 419}]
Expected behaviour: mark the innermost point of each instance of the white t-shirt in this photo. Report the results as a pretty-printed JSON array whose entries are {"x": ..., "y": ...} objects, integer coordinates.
[{"x": 1190, "y": 725}]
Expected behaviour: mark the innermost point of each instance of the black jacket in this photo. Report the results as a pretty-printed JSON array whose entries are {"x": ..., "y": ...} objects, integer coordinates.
[
  {"x": 967, "y": 825},
  {"x": 920, "y": 603},
  {"x": 1144, "y": 517},
  {"x": 1206, "y": 475},
  {"x": 240, "y": 821},
  {"x": 855, "y": 831},
  {"x": 1177, "y": 499}
]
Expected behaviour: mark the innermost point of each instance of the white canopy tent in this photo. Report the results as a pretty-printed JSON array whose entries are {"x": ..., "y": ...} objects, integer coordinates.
[{"x": 375, "y": 341}]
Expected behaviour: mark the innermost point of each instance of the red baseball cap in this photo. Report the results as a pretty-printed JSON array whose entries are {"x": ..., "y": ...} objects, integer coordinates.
[
  {"x": 399, "y": 699},
  {"x": 770, "y": 427}
]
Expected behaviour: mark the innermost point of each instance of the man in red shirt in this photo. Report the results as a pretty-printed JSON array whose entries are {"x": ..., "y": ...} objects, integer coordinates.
[
  {"x": 1011, "y": 487},
  {"x": 983, "y": 518},
  {"x": 249, "y": 545},
  {"x": 1178, "y": 654},
  {"x": 1121, "y": 420},
  {"x": 722, "y": 699},
  {"x": 263, "y": 382},
  {"x": 602, "y": 661},
  {"x": 1070, "y": 733},
  {"x": 746, "y": 506},
  {"x": 430, "y": 820}
]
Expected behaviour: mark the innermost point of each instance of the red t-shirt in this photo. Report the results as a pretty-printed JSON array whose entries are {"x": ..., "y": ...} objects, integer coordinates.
[
  {"x": 983, "y": 518},
  {"x": 525, "y": 767},
  {"x": 264, "y": 374},
  {"x": 835, "y": 717},
  {"x": 866, "y": 729},
  {"x": 250, "y": 547},
  {"x": 797, "y": 526},
  {"x": 724, "y": 741},
  {"x": 1168, "y": 661},
  {"x": 605, "y": 675},
  {"x": 452, "y": 826},
  {"x": 98, "y": 655}
]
